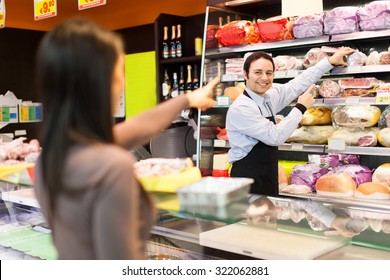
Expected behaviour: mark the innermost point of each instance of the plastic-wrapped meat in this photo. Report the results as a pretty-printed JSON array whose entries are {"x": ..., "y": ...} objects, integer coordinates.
[
  {"x": 275, "y": 28},
  {"x": 341, "y": 20},
  {"x": 239, "y": 32},
  {"x": 356, "y": 115},
  {"x": 313, "y": 134},
  {"x": 308, "y": 26},
  {"x": 384, "y": 120},
  {"x": 313, "y": 56},
  {"x": 373, "y": 58},
  {"x": 329, "y": 89},
  {"x": 211, "y": 41},
  {"x": 365, "y": 83},
  {"x": 384, "y": 58},
  {"x": 356, "y": 92},
  {"x": 352, "y": 136},
  {"x": 286, "y": 62},
  {"x": 374, "y": 15},
  {"x": 357, "y": 58}
]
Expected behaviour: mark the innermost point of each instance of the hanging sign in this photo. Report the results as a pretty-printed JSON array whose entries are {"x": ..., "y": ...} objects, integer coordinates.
[
  {"x": 2, "y": 13},
  {"x": 45, "y": 9},
  {"x": 87, "y": 4}
]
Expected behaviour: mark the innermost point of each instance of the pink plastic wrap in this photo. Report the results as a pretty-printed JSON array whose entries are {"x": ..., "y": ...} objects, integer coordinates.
[
  {"x": 375, "y": 16},
  {"x": 309, "y": 26},
  {"x": 341, "y": 20}
]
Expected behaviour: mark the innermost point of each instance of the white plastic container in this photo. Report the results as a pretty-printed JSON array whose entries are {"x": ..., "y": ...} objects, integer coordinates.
[{"x": 214, "y": 191}]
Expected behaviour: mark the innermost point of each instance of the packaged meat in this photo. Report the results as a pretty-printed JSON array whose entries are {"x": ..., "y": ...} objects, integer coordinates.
[
  {"x": 308, "y": 26},
  {"x": 307, "y": 174},
  {"x": 384, "y": 137},
  {"x": 283, "y": 178},
  {"x": 336, "y": 184},
  {"x": 329, "y": 89},
  {"x": 341, "y": 20},
  {"x": 374, "y": 15},
  {"x": 359, "y": 173},
  {"x": 295, "y": 189},
  {"x": 365, "y": 83},
  {"x": 239, "y": 32},
  {"x": 356, "y": 116},
  {"x": 275, "y": 28},
  {"x": 372, "y": 190},
  {"x": 354, "y": 136},
  {"x": 384, "y": 120},
  {"x": 211, "y": 41},
  {"x": 382, "y": 174},
  {"x": 384, "y": 57},
  {"x": 357, "y": 92},
  {"x": 287, "y": 62},
  {"x": 317, "y": 116},
  {"x": 314, "y": 134},
  {"x": 313, "y": 56},
  {"x": 373, "y": 58},
  {"x": 356, "y": 58}
]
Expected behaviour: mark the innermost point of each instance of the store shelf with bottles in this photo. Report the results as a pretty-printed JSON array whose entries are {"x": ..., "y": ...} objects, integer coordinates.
[{"x": 167, "y": 26}]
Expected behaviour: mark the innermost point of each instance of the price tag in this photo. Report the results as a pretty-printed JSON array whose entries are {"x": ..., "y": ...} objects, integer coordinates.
[
  {"x": 219, "y": 143},
  {"x": 383, "y": 97},
  {"x": 352, "y": 100},
  {"x": 45, "y": 9},
  {"x": 354, "y": 68},
  {"x": 292, "y": 73},
  {"x": 87, "y": 4},
  {"x": 223, "y": 100},
  {"x": 279, "y": 74},
  {"x": 296, "y": 147},
  {"x": 2, "y": 14},
  {"x": 336, "y": 144},
  {"x": 229, "y": 77}
]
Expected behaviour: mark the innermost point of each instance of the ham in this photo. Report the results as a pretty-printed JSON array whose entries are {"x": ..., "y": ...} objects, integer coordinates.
[
  {"x": 329, "y": 89},
  {"x": 314, "y": 134},
  {"x": 374, "y": 15},
  {"x": 308, "y": 26},
  {"x": 382, "y": 174},
  {"x": 336, "y": 184},
  {"x": 275, "y": 28},
  {"x": 373, "y": 190},
  {"x": 384, "y": 137},
  {"x": 356, "y": 116},
  {"x": 313, "y": 56},
  {"x": 357, "y": 136},
  {"x": 239, "y": 32},
  {"x": 341, "y": 20},
  {"x": 365, "y": 83}
]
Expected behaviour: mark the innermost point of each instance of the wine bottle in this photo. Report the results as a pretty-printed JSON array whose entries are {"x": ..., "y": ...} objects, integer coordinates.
[
  {"x": 219, "y": 88},
  {"x": 182, "y": 87},
  {"x": 179, "y": 46},
  {"x": 195, "y": 81},
  {"x": 172, "y": 48},
  {"x": 166, "y": 86},
  {"x": 165, "y": 47},
  {"x": 188, "y": 86},
  {"x": 175, "y": 86}
]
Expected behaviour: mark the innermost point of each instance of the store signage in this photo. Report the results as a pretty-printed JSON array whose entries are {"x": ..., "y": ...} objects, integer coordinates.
[
  {"x": 45, "y": 9},
  {"x": 2, "y": 13},
  {"x": 87, "y": 4}
]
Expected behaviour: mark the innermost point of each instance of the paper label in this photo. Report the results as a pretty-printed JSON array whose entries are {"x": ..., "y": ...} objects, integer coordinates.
[
  {"x": 352, "y": 100},
  {"x": 219, "y": 143},
  {"x": 296, "y": 147},
  {"x": 87, "y": 4},
  {"x": 336, "y": 144},
  {"x": 223, "y": 100},
  {"x": 45, "y": 9},
  {"x": 383, "y": 97}
]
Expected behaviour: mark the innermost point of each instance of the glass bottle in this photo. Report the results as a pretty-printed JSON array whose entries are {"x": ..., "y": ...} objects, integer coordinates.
[
  {"x": 175, "y": 86},
  {"x": 195, "y": 81},
  {"x": 166, "y": 86},
  {"x": 172, "y": 48},
  {"x": 165, "y": 47},
  {"x": 179, "y": 45},
  {"x": 182, "y": 86},
  {"x": 188, "y": 86}
]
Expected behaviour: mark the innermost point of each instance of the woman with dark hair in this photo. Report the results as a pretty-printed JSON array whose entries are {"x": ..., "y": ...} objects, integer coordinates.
[
  {"x": 84, "y": 181},
  {"x": 253, "y": 133}
]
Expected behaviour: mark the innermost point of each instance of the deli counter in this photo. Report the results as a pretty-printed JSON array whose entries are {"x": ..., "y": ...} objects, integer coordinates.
[{"x": 250, "y": 227}]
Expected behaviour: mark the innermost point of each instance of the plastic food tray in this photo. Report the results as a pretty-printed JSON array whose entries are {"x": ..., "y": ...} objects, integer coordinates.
[{"x": 214, "y": 191}]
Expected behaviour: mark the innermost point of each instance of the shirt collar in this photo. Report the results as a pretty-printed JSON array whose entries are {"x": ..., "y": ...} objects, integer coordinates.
[{"x": 257, "y": 98}]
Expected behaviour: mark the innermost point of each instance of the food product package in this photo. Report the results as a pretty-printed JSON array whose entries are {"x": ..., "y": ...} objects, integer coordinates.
[
  {"x": 384, "y": 137},
  {"x": 317, "y": 116},
  {"x": 313, "y": 56},
  {"x": 235, "y": 33},
  {"x": 313, "y": 134},
  {"x": 275, "y": 28},
  {"x": 166, "y": 175},
  {"x": 309, "y": 26},
  {"x": 359, "y": 173},
  {"x": 382, "y": 174},
  {"x": 341, "y": 20},
  {"x": 372, "y": 190},
  {"x": 384, "y": 120},
  {"x": 287, "y": 62},
  {"x": 336, "y": 184},
  {"x": 355, "y": 136},
  {"x": 356, "y": 116},
  {"x": 307, "y": 174},
  {"x": 365, "y": 83},
  {"x": 329, "y": 89},
  {"x": 356, "y": 58},
  {"x": 374, "y": 15},
  {"x": 211, "y": 41}
]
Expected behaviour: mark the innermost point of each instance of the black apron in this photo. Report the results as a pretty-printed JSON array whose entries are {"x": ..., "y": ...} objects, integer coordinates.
[{"x": 261, "y": 164}]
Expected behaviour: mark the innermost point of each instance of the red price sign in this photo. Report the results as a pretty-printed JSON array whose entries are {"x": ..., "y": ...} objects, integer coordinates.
[
  {"x": 86, "y": 4},
  {"x": 44, "y": 9}
]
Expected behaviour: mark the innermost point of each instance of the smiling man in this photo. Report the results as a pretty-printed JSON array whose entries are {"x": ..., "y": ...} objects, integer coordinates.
[{"x": 253, "y": 133}]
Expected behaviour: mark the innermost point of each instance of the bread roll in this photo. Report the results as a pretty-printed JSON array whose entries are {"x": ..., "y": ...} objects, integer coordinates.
[
  {"x": 373, "y": 190},
  {"x": 317, "y": 116},
  {"x": 356, "y": 116},
  {"x": 336, "y": 184},
  {"x": 384, "y": 137},
  {"x": 382, "y": 174}
]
